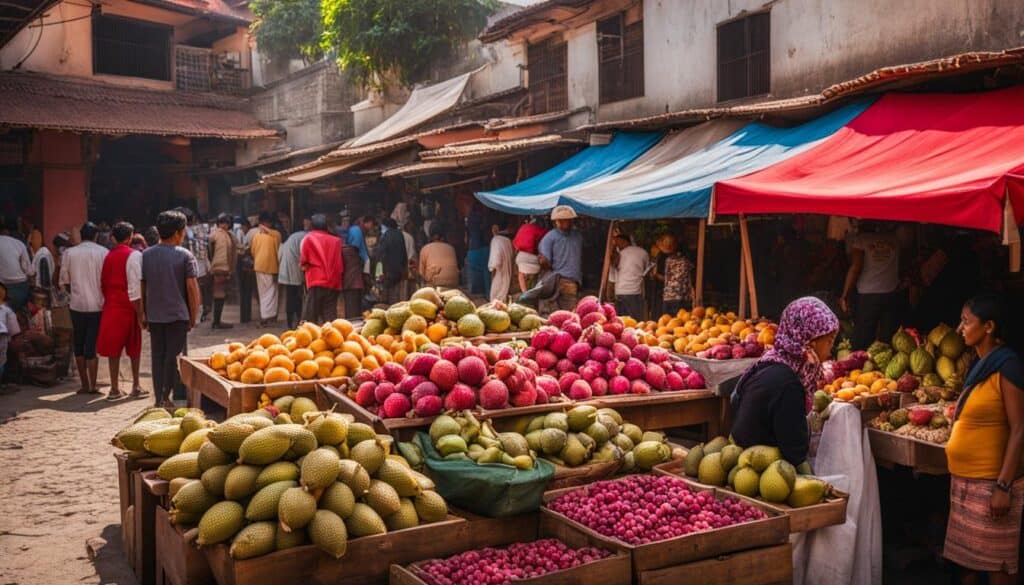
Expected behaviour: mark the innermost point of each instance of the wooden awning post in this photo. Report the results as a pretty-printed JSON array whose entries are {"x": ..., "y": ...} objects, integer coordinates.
[
  {"x": 748, "y": 264},
  {"x": 291, "y": 207},
  {"x": 1011, "y": 234},
  {"x": 743, "y": 287},
  {"x": 607, "y": 261},
  {"x": 698, "y": 296}
]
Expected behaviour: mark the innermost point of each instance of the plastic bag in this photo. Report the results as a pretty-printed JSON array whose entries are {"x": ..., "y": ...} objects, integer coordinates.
[{"x": 488, "y": 490}]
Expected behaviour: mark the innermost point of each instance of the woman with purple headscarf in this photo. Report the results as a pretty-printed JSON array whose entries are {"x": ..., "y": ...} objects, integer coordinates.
[{"x": 772, "y": 398}]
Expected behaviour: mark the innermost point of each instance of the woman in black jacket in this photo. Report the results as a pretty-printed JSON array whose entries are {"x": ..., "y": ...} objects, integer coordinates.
[
  {"x": 394, "y": 261},
  {"x": 772, "y": 398}
]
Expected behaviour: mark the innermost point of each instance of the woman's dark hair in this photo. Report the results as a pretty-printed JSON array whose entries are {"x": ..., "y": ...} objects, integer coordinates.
[
  {"x": 266, "y": 217},
  {"x": 991, "y": 307},
  {"x": 390, "y": 223},
  {"x": 169, "y": 223},
  {"x": 89, "y": 231},
  {"x": 122, "y": 230}
]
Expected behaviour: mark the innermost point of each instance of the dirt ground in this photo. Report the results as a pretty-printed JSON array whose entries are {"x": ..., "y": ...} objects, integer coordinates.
[{"x": 59, "y": 518}]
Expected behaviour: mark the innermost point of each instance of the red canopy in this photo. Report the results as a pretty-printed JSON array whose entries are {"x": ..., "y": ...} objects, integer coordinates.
[{"x": 934, "y": 158}]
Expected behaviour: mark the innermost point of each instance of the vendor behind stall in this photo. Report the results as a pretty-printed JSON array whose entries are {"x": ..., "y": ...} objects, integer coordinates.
[
  {"x": 985, "y": 448},
  {"x": 772, "y": 398}
]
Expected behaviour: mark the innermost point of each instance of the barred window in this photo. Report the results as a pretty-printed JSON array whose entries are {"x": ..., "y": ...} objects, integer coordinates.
[
  {"x": 134, "y": 48},
  {"x": 547, "y": 76},
  {"x": 744, "y": 57},
  {"x": 620, "y": 47}
]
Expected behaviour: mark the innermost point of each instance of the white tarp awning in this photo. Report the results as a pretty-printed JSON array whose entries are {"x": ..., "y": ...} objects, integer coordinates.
[{"x": 424, "y": 104}]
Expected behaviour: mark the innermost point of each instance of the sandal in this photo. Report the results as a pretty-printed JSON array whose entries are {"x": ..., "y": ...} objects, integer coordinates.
[
  {"x": 138, "y": 393},
  {"x": 115, "y": 395}
]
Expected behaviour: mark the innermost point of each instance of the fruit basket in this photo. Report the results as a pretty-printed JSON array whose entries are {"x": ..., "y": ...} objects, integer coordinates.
[
  {"x": 664, "y": 410},
  {"x": 201, "y": 380},
  {"x": 771, "y": 528},
  {"x": 614, "y": 569},
  {"x": 830, "y": 512}
]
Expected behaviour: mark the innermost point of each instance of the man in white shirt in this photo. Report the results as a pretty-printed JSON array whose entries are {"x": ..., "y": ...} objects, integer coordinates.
[
  {"x": 875, "y": 270},
  {"x": 80, "y": 271},
  {"x": 501, "y": 261},
  {"x": 629, "y": 263},
  {"x": 15, "y": 268}
]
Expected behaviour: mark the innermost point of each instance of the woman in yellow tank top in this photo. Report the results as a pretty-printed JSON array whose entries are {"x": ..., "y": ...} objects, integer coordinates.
[{"x": 985, "y": 448}]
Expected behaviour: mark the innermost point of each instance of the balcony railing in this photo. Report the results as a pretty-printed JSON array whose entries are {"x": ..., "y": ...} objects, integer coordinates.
[{"x": 201, "y": 70}]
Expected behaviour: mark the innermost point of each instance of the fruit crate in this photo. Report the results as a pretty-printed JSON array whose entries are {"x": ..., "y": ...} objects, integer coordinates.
[
  {"x": 567, "y": 477},
  {"x": 768, "y": 531},
  {"x": 771, "y": 565},
  {"x": 830, "y": 512},
  {"x": 235, "y": 397},
  {"x": 404, "y": 429},
  {"x": 177, "y": 561},
  {"x": 128, "y": 466},
  {"x": 666, "y": 410},
  {"x": 922, "y": 456},
  {"x": 613, "y": 570},
  {"x": 366, "y": 562}
]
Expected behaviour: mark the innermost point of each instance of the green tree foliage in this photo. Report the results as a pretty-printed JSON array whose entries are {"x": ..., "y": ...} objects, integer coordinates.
[
  {"x": 399, "y": 39},
  {"x": 287, "y": 29}
]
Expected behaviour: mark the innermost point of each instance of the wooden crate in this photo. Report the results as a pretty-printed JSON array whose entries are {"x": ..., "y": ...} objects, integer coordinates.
[
  {"x": 613, "y": 570},
  {"x": 665, "y": 410},
  {"x": 235, "y": 397},
  {"x": 178, "y": 562},
  {"x": 830, "y": 512},
  {"x": 771, "y": 565},
  {"x": 922, "y": 456},
  {"x": 566, "y": 477},
  {"x": 127, "y": 464},
  {"x": 487, "y": 531},
  {"x": 367, "y": 560},
  {"x": 769, "y": 531},
  {"x": 148, "y": 490}
]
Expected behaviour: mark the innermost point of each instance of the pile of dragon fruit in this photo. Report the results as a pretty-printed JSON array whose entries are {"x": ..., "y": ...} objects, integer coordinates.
[
  {"x": 502, "y": 566},
  {"x": 579, "y": 355},
  {"x": 640, "y": 509},
  {"x": 748, "y": 348}
]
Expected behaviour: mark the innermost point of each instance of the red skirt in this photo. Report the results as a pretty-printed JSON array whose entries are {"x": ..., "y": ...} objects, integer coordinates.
[{"x": 119, "y": 331}]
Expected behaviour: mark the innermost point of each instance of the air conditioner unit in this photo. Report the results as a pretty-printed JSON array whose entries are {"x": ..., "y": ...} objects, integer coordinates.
[{"x": 230, "y": 59}]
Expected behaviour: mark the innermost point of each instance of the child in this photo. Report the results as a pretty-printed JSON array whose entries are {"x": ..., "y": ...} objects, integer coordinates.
[{"x": 8, "y": 328}]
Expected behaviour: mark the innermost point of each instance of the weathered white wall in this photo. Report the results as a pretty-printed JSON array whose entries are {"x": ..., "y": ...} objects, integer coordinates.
[{"x": 814, "y": 43}]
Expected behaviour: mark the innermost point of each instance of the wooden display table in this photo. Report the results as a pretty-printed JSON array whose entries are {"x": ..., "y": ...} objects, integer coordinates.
[
  {"x": 128, "y": 466},
  {"x": 890, "y": 449},
  {"x": 201, "y": 380}
]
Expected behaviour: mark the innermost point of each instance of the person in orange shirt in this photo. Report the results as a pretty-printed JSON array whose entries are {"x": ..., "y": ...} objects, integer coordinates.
[
  {"x": 985, "y": 448},
  {"x": 264, "y": 254}
]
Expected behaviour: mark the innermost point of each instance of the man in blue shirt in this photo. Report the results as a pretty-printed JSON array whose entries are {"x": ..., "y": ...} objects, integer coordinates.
[
  {"x": 561, "y": 251},
  {"x": 357, "y": 236}
]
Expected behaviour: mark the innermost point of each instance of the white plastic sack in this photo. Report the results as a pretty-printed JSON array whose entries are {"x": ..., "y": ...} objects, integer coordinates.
[{"x": 850, "y": 553}]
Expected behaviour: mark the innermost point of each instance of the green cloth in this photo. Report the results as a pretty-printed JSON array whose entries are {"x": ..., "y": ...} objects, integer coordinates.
[{"x": 488, "y": 490}]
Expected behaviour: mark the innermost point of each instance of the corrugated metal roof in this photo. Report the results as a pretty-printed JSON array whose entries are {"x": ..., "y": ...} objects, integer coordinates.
[
  {"x": 33, "y": 100},
  {"x": 485, "y": 149},
  {"x": 527, "y": 16},
  {"x": 506, "y": 123}
]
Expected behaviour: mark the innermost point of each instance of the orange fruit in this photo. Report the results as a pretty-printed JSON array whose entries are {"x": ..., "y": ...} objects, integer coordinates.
[
  {"x": 277, "y": 375},
  {"x": 343, "y": 327},
  {"x": 268, "y": 339},
  {"x": 278, "y": 349},
  {"x": 252, "y": 376},
  {"x": 257, "y": 359},
  {"x": 235, "y": 345},
  {"x": 302, "y": 337},
  {"x": 313, "y": 328},
  {"x": 353, "y": 348},
  {"x": 332, "y": 338},
  {"x": 307, "y": 370},
  {"x": 350, "y": 361},
  {"x": 236, "y": 355},
  {"x": 281, "y": 361},
  {"x": 317, "y": 345},
  {"x": 325, "y": 365},
  {"x": 325, "y": 353},
  {"x": 338, "y": 372},
  {"x": 302, "y": 355},
  {"x": 219, "y": 360},
  {"x": 234, "y": 370}
]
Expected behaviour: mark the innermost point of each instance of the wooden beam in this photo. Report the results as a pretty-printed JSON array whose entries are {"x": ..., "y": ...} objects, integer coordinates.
[
  {"x": 698, "y": 297},
  {"x": 743, "y": 287},
  {"x": 748, "y": 264},
  {"x": 607, "y": 261}
]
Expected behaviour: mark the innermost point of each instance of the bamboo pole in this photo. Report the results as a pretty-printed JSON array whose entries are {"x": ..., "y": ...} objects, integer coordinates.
[
  {"x": 743, "y": 287},
  {"x": 607, "y": 261},
  {"x": 749, "y": 265},
  {"x": 291, "y": 207},
  {"x": 698, "y": 300}
]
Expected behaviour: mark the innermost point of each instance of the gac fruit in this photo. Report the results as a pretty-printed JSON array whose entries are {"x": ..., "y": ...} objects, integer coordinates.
[
  {"x": 219, "y": 360},
  {"x": 282, "y": 361},
  {"x": 307, "y": 369},
  {"x": 302, "y": 337},
  {"x": 353, "y": 348},
  {"x": 252, "y": 376},
  {"x": 313, "y": 328},
  {"x": 236, "y": 355},
  {"x": 257, "y": 359},
  {"x": 276, "y": 375}
]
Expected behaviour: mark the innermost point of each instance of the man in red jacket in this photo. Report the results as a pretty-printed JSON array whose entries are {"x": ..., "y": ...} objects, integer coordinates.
[
  {"x": 320, "y": 259},
  {"x": 120, "y": 330}
]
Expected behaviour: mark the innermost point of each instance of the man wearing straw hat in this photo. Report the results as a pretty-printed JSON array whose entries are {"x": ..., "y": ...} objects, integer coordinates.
[{"x": 561, "y": 252}]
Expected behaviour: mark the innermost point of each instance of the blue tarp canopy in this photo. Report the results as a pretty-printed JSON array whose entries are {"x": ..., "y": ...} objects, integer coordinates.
[
  {"x": 591, "y": 163},
  {"x": 675, "y": 178}
]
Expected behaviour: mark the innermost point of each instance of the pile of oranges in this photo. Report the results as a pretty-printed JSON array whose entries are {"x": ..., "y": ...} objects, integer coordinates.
[
  {"x": 860, "y": 383},
  {"x": 311, "y": 351},
  {"x": 689, "y": 332}
]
